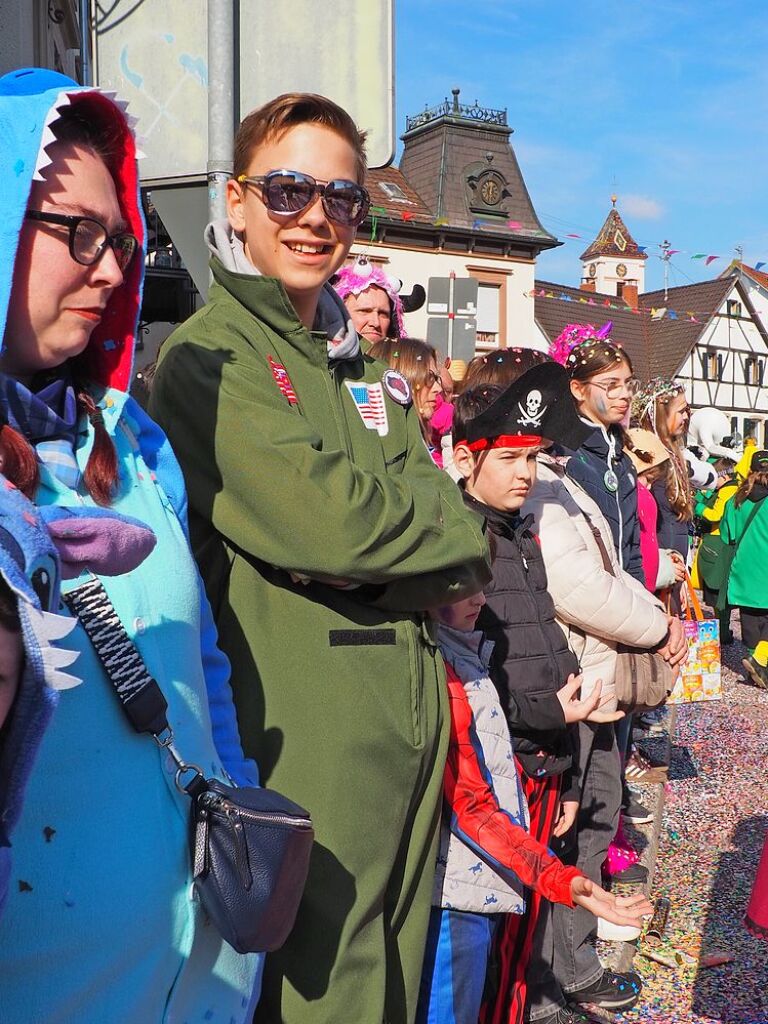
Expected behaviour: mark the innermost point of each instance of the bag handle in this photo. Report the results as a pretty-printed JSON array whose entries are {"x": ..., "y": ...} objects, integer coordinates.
[
  {"x": 139, "y": 694},
  {"x": 693, "y": 606}
]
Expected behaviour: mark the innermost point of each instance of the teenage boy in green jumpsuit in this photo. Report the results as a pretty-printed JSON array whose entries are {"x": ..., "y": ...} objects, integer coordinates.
[{"x": 323, "y": 531}]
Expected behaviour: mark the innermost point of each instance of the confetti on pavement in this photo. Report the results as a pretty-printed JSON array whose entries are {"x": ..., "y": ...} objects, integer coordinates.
[{"x": 714, "y": 824}]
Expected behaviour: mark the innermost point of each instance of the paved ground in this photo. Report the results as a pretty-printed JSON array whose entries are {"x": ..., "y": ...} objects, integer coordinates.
[{"x": 712, "y": 831}]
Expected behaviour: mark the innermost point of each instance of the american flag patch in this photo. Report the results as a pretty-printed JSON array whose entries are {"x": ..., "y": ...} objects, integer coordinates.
[
  {"x": 282, "y": 380},
  {"x": 369, "y": 399}
]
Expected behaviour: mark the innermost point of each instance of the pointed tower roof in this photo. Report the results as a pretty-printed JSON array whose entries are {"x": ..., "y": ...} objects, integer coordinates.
[{"x": 614, "y": 239}]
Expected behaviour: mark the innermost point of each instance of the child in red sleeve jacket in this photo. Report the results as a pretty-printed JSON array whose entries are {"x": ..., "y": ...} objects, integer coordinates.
[{"x": 487, "y": 856}]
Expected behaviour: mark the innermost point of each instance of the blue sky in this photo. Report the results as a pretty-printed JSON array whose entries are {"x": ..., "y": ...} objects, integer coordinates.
[{"x": 669, "y": 100}]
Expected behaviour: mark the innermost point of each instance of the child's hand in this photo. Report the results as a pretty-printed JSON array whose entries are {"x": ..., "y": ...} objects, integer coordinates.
[
  {"x": 623, "y": 910},
  {"x": 679, "y": 565},
  {"x": 587, "y": 710},
  {"x": 566, "y": 817}
]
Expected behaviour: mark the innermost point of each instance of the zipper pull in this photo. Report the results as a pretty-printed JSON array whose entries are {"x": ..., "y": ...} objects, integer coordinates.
[
  {"x": 524, "y": 561},
  {"x": 238, "y": 841},
  {"x": 201, "y": 845}
]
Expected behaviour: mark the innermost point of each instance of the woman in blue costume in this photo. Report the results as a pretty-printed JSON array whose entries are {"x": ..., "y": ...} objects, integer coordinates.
[{"x": 101, "y": 923}]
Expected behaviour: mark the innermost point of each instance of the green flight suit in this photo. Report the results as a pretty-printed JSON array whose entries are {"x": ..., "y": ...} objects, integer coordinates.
[{"x": 340, "y": 693}]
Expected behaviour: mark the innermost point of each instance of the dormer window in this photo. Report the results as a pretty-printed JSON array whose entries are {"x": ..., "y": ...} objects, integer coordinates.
[{"x": 393, "y": 192}]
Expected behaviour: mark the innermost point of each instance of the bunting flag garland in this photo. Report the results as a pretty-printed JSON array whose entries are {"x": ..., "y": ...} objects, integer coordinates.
[
  {"x": 376, "y": 212},
  {"x": 654, "y": 312}
]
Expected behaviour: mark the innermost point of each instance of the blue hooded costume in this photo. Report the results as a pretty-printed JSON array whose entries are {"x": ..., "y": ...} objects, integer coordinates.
[{"x": 101, "y": 923}]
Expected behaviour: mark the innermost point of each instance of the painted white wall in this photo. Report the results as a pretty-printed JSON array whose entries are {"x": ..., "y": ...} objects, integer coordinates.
[
  {"x": 416, "y": 266},
  {"x": 606, "y": 278},
  {"x": 735, "y": 340}
]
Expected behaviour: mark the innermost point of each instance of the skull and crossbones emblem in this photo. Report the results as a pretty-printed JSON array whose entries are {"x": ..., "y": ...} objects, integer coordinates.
[{"x": 533, "y": 411}]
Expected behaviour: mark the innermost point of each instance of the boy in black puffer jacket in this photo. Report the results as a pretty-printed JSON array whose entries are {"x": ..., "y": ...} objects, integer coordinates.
[{"x": 497, "y": 436}]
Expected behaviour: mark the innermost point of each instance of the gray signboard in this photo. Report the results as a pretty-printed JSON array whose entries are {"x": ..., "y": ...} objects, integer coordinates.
[
  {"x": 452, "y": 312},
  {"x": 154, "y": 55}
]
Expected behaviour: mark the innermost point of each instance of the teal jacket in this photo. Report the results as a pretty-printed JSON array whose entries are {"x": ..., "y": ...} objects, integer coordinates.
[{"x": 105, "y": 927}]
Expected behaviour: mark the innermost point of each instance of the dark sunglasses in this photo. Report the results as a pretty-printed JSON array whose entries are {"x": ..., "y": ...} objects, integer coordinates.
[
  {"x": 88, "y": 238},
  {"x": 287, "y": 193}
]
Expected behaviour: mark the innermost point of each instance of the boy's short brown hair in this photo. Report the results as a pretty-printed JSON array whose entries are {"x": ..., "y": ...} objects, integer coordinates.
[
  {"x": 274, "y": 119},
  {"x": 471, "y": 403}
]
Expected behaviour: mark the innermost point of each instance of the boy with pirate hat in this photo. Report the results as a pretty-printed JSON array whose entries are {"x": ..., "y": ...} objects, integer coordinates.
[{"x": 497, "y": 435}]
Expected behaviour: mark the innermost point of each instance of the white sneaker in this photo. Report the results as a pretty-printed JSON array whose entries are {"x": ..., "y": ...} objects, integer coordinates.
[{"x": 610, "y": 932}]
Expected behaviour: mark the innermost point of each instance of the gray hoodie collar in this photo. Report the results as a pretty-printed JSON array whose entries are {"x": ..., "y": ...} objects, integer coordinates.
[{"x": 331, "y": 318}]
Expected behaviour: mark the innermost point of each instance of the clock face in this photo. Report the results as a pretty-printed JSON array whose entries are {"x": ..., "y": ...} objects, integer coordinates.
[
  {"x": 490, "y": 191},
  {"x": 621, "y": 270},
  {"x": 592, "y": 269}
]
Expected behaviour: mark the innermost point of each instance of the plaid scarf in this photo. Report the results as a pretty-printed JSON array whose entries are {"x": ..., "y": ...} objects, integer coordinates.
[{"x": 47, "y": 417}]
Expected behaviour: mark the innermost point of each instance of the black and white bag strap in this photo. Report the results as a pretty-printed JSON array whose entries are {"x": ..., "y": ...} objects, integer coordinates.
[{"x": 140, "y": 696}]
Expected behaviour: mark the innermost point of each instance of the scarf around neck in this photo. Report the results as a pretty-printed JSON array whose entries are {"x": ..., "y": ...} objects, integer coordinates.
[{"x": 47, "y": 417}]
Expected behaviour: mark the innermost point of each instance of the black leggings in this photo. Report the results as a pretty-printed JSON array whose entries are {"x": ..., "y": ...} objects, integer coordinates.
[{"x": 754, "y": 626}]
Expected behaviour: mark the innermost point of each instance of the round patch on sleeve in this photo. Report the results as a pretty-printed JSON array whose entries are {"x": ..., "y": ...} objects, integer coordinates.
[{"x": 397, "y": 387}]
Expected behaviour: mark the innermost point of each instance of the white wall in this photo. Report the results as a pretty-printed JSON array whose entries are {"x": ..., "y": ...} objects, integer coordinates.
[
  {"x": 606, "y": 278},
  {"x": 415, "y": 266}
]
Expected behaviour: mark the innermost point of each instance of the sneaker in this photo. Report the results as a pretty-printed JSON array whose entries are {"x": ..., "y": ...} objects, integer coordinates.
[
  {"x": 636, "y": 812},
  {"x": 757, "y": 673},
  {"x": 610, "y": 932},
  {"x": 635, "y": 874},
  {"x": 612, "y": 991},
  {"x": 639, "y": 769},
  {"x": 566, "y": 1015}
]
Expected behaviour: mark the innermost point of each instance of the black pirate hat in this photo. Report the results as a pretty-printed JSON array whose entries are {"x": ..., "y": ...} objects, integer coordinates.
[{"x": 537, "y": 405}]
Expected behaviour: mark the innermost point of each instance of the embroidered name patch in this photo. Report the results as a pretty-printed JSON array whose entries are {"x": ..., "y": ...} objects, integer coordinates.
[
  {"x": 369, "y": 400},
  {"x": 282, "y": 380}
]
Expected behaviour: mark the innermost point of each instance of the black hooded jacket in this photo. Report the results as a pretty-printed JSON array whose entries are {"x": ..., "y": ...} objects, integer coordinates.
[
  {"x": 601, "y": 454},
  {"x": 531, "y": 658}
]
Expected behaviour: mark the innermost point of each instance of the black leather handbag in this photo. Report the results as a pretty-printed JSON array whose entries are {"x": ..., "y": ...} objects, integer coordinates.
[{"x": 250, "y": 847}]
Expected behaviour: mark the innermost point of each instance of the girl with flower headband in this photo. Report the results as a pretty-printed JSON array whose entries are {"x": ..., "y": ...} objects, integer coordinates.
[
  {"x": 603, "y": 385},
  {"x": 661, "y": 407}
]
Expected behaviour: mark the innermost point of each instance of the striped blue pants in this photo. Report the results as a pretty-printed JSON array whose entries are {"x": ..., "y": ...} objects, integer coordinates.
[{"x": 455, "y": 962}]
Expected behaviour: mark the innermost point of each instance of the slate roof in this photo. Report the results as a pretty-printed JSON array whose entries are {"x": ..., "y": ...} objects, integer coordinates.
[
  {"x": 657, "y": 348},
  {"x": 614, "y": 239},
  {"x": 440, "y": 154}
]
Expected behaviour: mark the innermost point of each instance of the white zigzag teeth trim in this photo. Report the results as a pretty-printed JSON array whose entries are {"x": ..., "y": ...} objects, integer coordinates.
[
  {"x": 62, "y": 681},
  {"x": 48, "y": 627}
]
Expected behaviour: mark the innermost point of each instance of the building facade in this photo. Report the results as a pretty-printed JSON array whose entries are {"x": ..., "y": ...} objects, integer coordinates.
[{"x": 458, "y": 204}]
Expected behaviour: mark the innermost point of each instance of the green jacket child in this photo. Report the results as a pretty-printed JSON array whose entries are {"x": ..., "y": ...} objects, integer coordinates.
[{"x": 323, "y": 531}]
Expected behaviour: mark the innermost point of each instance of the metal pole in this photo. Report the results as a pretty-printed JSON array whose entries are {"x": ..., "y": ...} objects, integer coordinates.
[
  {"x": 221, "y": 115},
  {"x": 85, "y": 41}
]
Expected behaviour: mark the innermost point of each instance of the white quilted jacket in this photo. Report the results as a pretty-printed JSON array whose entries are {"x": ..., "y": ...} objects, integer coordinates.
[{"x": 596, "y": 610}]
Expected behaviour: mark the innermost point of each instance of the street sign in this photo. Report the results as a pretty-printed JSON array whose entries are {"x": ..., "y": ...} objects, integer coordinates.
[
  {"x": 452, "y": 311},
  {"x": 154, "y": 55}
]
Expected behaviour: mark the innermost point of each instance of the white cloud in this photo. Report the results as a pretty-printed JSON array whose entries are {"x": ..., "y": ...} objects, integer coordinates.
[{"x": 642, "y": 207}]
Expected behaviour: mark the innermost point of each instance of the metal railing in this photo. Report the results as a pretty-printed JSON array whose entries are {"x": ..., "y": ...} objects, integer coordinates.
[{"x": 455, "y": 109}]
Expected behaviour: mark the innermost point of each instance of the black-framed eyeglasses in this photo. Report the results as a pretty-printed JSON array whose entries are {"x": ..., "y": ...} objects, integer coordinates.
[
  {"x": 89, "y": 238},
  {"x": 614, "y": 388},
  {"x": 287, "y": 193}
]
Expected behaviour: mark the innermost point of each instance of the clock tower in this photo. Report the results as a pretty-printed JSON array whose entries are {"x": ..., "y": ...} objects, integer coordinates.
[{"x": 613, "y": 264}]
